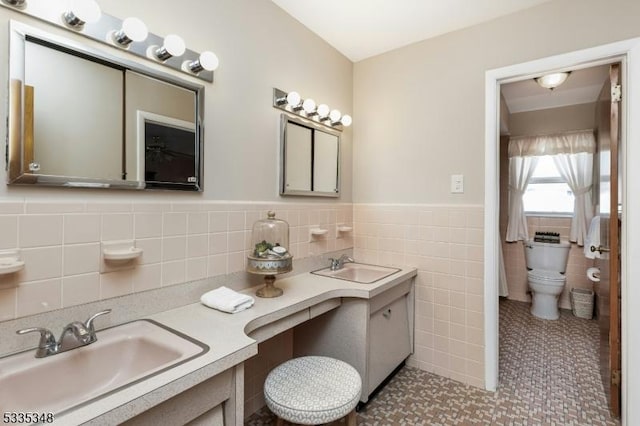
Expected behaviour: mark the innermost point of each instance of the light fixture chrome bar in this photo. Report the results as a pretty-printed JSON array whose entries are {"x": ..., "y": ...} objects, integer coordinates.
[
  {"x": 103, "y": 31},
  {"x": 280, "y": 102},
  {"x": 15, "y": 3}
]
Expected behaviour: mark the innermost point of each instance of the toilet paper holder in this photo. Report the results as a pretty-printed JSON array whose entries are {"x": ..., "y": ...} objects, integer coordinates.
[{"x": 594, "y": 274}]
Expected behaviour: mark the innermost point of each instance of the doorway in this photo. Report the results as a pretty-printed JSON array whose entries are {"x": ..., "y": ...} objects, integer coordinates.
[
  {"x": 553, "y": 144},
  {"x": 627, "y": 52}
]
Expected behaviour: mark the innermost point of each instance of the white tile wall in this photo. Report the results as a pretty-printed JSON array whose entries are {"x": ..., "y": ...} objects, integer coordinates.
[
  {"x": 60, "y": 243},
  {"x": 445, "y": 243}
]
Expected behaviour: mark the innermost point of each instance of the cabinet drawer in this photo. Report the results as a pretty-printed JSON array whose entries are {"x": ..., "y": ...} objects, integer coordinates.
[{"x": 389, "y": 340}]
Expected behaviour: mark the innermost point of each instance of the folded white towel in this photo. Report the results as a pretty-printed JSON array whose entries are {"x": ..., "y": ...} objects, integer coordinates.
[
  {"x": 593, "y": 239},
  {"x": 226, "y": 300}
]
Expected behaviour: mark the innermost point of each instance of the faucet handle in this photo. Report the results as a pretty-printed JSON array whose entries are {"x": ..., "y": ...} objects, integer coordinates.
[
  {"x": 47, "y": 340},
  {"x": 89, "y": 323}
]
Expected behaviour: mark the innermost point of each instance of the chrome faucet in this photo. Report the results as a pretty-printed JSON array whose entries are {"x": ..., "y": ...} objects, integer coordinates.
[
  {"x": 74, "y": 335},
  {"x": 337, "y": 264}
]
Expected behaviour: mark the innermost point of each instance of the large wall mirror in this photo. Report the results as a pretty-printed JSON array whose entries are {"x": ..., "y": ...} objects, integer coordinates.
[
  {"x": 310, "y": 158},
  {"x": 80, "y": 117}
]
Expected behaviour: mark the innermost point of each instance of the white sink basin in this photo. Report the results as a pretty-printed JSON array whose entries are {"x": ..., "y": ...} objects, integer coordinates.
[
  {"x": 358, "y": 272},
  {"x": 122, "y": 356}
]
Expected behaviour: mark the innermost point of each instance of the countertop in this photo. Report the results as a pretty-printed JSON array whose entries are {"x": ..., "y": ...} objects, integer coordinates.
[{"x": 226, "y": 336}]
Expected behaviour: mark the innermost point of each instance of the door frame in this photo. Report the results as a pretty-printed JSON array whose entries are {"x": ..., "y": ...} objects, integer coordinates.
[{"x": 628, "y": 53}]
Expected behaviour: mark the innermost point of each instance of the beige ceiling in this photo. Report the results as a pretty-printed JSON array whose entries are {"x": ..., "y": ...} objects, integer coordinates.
[
  {"x": 363, "y": 28},
  {"x": 583, "y": 86}
]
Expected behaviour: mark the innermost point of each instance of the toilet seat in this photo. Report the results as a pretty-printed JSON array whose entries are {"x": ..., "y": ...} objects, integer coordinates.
[{"x": 546, "y": 276}]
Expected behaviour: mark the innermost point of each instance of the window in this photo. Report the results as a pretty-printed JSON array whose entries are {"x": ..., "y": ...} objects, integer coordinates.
[{"x": 547, "y": 191}]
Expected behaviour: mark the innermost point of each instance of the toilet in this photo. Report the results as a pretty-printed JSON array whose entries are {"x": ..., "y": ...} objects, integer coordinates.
[{"x": 546, "y": 265}]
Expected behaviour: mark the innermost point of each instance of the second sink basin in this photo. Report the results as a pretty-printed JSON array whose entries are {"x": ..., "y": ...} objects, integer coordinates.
[
  {"x": 122, "y": 356},
  {"x": 358, "y": 272}
]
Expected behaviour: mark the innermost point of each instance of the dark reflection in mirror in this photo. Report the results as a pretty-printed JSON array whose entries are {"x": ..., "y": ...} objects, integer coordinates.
[{"x": 169, "y": 154}]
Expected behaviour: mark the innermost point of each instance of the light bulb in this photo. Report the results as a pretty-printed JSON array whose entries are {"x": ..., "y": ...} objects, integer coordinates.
[
  {"x": 551, "y": 81},
  {"x": 323, "y": 110},
  {"x": 207, "y": 61},
  {"x": 133, "y": 29},
  {"x": 293, "y": 99},
  {"x": 346, "y": 120},
  {"x": 309, "y": 106},
  {"x": 335, "y": 115},
  {"x": 173, "y": 46},
  {"x": 81, "y": 12}
]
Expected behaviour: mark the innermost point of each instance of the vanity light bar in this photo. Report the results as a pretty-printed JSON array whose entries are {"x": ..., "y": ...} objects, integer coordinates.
[
  {"x": 15, "y": 3},
  {"x": 293, "y": 103},
  {"x": 85, "y": 17}
]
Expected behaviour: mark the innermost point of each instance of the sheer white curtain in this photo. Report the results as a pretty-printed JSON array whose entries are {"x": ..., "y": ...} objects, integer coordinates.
[
  {"x": 520, "y": 171},
  {"x": 573, "y": 156},
  {"x": 577, "y": 170}
]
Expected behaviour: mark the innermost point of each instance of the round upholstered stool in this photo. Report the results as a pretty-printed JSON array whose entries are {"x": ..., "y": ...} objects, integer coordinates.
[{"x": 313, "y": 390}]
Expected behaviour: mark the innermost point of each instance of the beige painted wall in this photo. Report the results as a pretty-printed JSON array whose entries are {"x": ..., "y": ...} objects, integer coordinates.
[
  {"x": 552, "y": 120},
  {"x": 260, "y": 47},
  {"x": 419, "y": 110}
]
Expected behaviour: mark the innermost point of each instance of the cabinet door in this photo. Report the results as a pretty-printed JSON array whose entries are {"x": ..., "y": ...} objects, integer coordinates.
[{"x": 389, "y": 340}]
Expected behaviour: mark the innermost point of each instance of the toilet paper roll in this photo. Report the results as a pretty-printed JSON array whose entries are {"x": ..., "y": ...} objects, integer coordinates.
[{"x": 594, "y": 274}]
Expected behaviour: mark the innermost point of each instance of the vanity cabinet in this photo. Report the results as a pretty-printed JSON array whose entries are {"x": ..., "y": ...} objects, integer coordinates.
[
  {"x": 374, "y": 335},
  {"x": 217, "y": 401},
  {"x": 389, "y": 340}
]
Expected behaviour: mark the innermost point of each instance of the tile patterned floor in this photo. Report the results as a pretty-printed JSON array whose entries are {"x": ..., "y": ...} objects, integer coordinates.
[{"x": 549, "y": 375}]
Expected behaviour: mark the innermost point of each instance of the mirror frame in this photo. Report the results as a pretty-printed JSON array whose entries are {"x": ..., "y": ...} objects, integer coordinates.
[
  {"x": 19, "y": 34},
  {"x": 285, "y": 119}
]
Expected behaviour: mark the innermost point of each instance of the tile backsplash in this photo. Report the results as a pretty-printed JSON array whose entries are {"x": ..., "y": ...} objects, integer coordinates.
[
  {"x": 181, "y": 242},
  {"x": 445, "y": 244}
]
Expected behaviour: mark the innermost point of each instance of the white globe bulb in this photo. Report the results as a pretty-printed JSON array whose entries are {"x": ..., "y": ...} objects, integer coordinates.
[
  {"x": 209, "y": 61},
  {"x": 309, "y": 105},
  {"x": 335, "y": 115},
  {"x": 346, "y": 120},
  {"x": 323, "y": 110},
  {"x": 135, "y": 29},
  {"x": 293, "y": 99},
  {"x": 86, "y": 10},
  {"x": 174, "y": 44}
]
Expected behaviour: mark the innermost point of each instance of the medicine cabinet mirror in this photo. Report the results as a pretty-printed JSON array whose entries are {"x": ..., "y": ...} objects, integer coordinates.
[
  {"x": 310, "y": 158},
  {"x": 80, "y": 117}
]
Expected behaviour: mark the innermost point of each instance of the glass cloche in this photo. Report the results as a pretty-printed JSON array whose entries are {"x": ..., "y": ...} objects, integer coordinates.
[{"x": 270, "y": 252}]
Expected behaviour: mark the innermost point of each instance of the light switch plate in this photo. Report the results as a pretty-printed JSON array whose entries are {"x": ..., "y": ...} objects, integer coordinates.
[{"x": 457, "y": 184}]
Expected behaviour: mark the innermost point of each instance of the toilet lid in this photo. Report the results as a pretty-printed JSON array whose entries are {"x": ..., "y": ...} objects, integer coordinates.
[{"x": 542, "y": 274}]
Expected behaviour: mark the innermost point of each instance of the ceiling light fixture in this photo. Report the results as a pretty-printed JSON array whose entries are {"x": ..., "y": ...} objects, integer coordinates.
[
  {"x": 551, "y": 81},
  {"x": 81, "y": 12}
]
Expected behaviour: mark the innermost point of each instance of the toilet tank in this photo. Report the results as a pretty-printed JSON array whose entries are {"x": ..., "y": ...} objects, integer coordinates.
[{"x": 547, "y": 256}]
